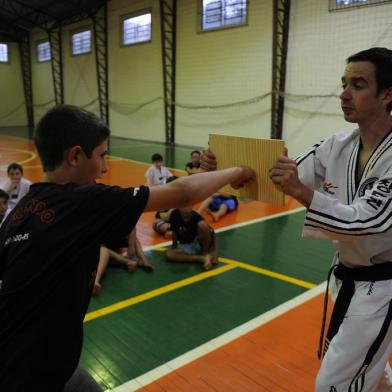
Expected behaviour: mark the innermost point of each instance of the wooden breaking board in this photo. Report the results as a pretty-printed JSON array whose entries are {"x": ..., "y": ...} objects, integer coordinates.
[{"x": 257, "y": 154}]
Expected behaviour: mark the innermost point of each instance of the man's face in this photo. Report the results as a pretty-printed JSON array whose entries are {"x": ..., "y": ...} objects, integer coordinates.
[
  {"x": 359, "y": 99},
  {"x": 15, "y": 175},
  {"x": 90, "y": 169},
  {"x": 3, "y": 205}
]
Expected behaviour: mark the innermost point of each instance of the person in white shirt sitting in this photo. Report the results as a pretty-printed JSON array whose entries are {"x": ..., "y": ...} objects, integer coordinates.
[{"x": 157, "y": 174}]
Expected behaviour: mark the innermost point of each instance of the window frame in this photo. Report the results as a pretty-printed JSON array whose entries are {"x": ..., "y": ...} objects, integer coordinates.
[
  {"x": 333, "y": 7},
  {"x": 132, "y": 15},
  {"x": 230, "y": 26},
  {"x": 8, "y": 61},
  {"x": 37, "y": 52},
  {"x": 77, "y": 31}
]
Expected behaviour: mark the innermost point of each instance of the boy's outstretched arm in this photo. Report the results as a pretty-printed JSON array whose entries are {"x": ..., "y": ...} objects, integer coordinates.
[{"x": 186, "y": 191}]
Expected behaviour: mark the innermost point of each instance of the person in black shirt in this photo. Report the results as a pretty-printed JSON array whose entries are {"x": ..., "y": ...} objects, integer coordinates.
[
  {"x": 193, "y": 167},
  {"x": 50, "y": 243},
  {"x": 194, "y": 241}
]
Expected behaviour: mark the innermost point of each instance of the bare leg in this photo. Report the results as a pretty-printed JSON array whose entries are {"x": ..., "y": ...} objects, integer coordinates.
[
  {"x": 131, "y": 252},
  {"x": 216, "y": 215},
  {"x": 204, "y": 237},
  {"x": 122, "y": 260},
  {"x": 135, "y": 252},
  {"x": 204, "y": 205},
  {"x": 104, "y": 258},
  {"x": 178, "y": 255}
]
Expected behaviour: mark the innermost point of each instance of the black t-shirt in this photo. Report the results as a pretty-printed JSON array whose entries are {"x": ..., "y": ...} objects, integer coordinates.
[
  {"x": 186, "y": 231},
  {"x": 191, "y": 165},
  {"x": 49, "y": 251}
]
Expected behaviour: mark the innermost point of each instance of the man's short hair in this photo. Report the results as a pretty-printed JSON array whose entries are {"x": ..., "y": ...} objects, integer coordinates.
[
  {"x": 14, "y": 166},
  {"x": 195, "y": 152},
  {"x": 66, "y": 126},
  {"x": 4, "y": 195},
  {"x": 381, "y": 58},
  {"x": 156, "y": 158}
]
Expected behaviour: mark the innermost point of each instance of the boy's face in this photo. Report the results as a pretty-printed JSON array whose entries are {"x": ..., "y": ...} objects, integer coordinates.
[
  {"x": 3, "y": 205},
  {"x": 90, "y": 169},
  {"x": 15, "y": 175},
  {"x": 195, "y": 158},
  {"x": 157, "y": 164}
]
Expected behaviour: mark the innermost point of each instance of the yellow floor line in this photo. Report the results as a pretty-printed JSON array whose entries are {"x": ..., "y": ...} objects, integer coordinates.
[
  {"x": 154, "y": 293},
  {"x": 269, "y": 273},
  {"x": 262, "y": 271}
]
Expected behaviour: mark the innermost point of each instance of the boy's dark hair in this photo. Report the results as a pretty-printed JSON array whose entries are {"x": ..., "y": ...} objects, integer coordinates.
[
  {"x": 195, "y": 152},
  {"x": 156, "y": 157},
  {"x": 4, "y": 195},
  {"x": 14, "y": 166},
  {"x": 66, "y": 126},
  {"x": 381, "y": 58},
  {"x": 171, "y": 178}
]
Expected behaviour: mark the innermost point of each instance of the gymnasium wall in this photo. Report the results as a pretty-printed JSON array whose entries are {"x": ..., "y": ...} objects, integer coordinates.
[
  {"x": 43, "y": 93},
  {"x": 12, "y": 108},
  {"x": 222, "y": 67},
  {"x": 135, "y": 77},
  {"x": 319, "y": 43},
  {"x": 223, "y": 77}
]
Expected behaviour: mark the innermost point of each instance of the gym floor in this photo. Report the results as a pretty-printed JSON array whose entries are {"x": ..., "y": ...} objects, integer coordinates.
[{"x": 250, "y": 324}]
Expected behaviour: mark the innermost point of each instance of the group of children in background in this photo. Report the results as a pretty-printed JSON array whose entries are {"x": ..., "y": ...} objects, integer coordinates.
[{"x": 193, "y": 240}]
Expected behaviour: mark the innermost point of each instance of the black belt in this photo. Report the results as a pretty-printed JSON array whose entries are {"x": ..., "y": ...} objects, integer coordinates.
[{"x": 348, "y": 276}]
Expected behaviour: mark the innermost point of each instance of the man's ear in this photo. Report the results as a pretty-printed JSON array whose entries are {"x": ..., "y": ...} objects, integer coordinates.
[
  {"x": 72, "y": 155},
  {"x": 388, "y": 96}
]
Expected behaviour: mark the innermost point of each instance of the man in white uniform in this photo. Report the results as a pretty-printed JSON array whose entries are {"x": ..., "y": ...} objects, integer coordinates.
[{"x": 345, "y": 182}]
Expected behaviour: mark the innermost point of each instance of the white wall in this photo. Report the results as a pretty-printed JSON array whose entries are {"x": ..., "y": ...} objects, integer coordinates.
[
  {"x": 222, "y": 67},
  {"x": 135, "y": 77},
  {"x": 43, "y": 92}
]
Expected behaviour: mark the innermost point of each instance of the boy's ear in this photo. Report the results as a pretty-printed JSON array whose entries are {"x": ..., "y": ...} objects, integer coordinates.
[{"x": 72, "y": 155}]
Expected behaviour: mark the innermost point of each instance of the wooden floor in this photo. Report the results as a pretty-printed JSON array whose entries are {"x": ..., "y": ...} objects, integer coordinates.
[{"x": 251, "y": 324}]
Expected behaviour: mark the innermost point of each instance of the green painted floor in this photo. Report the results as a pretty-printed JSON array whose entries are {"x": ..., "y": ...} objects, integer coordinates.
[
  {"x": 132, "y": 341},
  {"x": 127, "y": 343}
]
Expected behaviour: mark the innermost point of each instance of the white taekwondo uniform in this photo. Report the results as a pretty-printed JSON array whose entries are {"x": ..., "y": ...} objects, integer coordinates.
[{"x": 357, "y": 217}]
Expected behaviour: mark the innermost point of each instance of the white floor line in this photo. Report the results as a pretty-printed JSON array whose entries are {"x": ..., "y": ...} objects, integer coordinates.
[
  {"x": 218, "y": 342},
  {"x": 234, "y": 226}
]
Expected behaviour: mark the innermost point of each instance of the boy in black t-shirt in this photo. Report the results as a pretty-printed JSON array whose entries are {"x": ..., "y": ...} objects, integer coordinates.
[
  {"x": 50, "y": 243},
  {"x": 194, "y": 241}
]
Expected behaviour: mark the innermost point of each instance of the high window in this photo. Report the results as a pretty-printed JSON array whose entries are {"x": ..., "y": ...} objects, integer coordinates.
[{"x": 217, "y": 14}]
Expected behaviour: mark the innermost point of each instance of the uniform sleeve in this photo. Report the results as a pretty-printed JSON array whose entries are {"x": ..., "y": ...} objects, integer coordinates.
[
  {"x": 150, "y": 177},
  {"x": 109, "y": 213},
  {"x": 311, "y": 165},
  {"x": 327, "y": 218}
]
